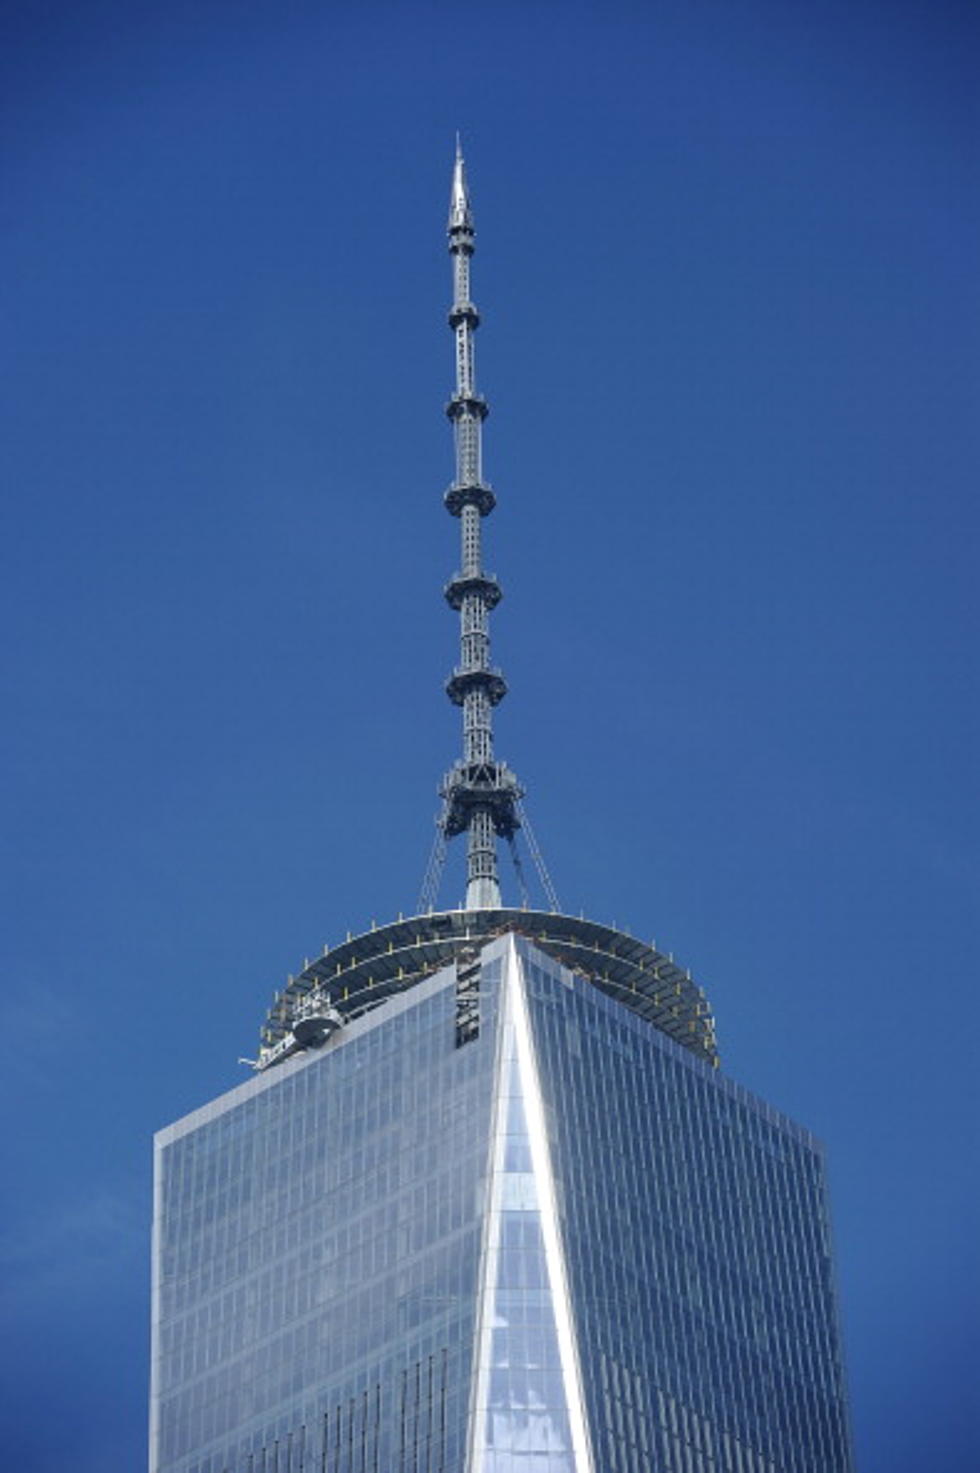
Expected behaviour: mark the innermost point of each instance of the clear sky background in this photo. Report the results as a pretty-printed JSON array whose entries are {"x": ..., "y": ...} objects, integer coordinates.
[{"x": 727, "y": 261}]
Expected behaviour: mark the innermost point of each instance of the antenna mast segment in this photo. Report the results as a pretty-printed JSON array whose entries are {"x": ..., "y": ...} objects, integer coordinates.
[{"x": 480, "y": 795}]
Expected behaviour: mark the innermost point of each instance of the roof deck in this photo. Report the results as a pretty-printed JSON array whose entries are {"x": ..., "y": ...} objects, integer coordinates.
[{"x": 364, "y": 971}]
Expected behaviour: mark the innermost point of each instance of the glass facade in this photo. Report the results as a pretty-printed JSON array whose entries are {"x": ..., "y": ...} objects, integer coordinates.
[
  {"x": 316, "y": 1249},
  {"x": 696, "y": 1232},
  {"x": 497, "y": 1225}
]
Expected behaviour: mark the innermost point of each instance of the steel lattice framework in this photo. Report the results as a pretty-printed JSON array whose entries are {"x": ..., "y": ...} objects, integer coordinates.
[{"x": 480, "y": 795}]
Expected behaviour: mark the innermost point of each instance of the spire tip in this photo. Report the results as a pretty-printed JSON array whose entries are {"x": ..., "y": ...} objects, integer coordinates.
[{"x": 459, "y": 199}]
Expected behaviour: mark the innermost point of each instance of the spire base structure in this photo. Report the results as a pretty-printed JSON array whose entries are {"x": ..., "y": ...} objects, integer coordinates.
[
  {"x": 483, "y": 895},
  {"x": 490, "y": 786}
]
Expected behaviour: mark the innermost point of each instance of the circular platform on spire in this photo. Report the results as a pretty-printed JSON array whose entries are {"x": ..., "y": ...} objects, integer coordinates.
[
  {"x": 461, "y": 682},
  {"x": 462, "y": 312},
  {"x": 478, "y": 494},
  {"x": 483, "y": 585},
  {"x": 472, "y": 404}
]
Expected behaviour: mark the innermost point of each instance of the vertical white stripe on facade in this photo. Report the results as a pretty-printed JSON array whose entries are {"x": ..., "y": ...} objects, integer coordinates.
[
  {"x": 490, "y": 1253},
  {"x": 547, "y": 1199},
  {"x": 515, "y": 1045}
]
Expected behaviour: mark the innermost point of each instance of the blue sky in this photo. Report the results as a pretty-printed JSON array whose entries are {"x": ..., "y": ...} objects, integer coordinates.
[{"x": 727, "y": 267}]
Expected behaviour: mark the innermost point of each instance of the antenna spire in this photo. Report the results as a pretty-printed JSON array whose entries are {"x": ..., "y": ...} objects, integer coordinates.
[
  {"x": 480, "y": 795},
  {"x": 460, "y": 216}
]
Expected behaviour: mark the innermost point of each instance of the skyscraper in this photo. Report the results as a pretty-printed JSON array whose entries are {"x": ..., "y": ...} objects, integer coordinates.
[{"x": 488, "y": 1205}]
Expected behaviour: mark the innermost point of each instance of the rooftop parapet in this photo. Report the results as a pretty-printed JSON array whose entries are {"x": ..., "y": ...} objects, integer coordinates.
[{"x": 364, "y": 971}]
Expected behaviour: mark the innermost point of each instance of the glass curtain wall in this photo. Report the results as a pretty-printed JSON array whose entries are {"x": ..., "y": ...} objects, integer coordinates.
[
  {"x": 317, "y": 1240},
  {"x": 500, "y": 1224},
  {"x": 695, "y": 1224}
]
